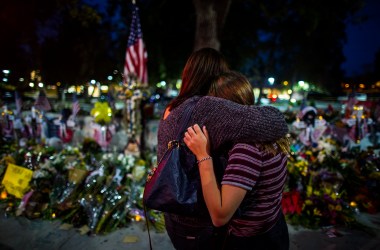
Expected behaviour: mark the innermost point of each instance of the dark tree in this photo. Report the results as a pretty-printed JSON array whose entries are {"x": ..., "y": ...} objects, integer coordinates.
[
  {"x": 295, "y": 40},
  {"x": 210, "y": 19}
]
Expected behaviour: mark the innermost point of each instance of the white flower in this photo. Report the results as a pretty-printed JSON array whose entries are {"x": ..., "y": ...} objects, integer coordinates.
[
  {"x": 321, "y": 156},
  {"x": 40, "y": 174},
  {"x": 120, "y": 157}
]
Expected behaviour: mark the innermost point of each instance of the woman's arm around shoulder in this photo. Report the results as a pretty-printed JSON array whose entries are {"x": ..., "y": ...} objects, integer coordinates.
[{"x": 232, "y": 122}]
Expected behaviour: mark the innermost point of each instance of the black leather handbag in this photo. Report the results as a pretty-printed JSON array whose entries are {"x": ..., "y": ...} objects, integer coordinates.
[{"x": 174, "y": 185}]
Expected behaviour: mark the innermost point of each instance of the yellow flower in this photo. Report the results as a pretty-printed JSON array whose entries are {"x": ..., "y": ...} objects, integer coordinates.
[
  {"x": 309, "y": 190},
  {"x": 7, "y": 159},
  {"x": 327, "y": 189},
  {"x": 291, "y": 168},
  {"x": 308, "y": 202},
  {"x": 128, "y": 93},
  {"x": 338, "y": 207},
  {"x": 304, "y": 172},
  {"x": 141, "y": 162},
  {"x": 374, "y": 175},
  {"x": 316, "y": 212},
  {"x": 334, "y": 195},
  {"x": 76, "y": 150}
]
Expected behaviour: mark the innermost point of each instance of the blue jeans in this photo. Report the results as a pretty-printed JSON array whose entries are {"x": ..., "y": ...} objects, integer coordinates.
[
  {"x": 277, "y": 238},
  {"x": 192, "y": 233}
]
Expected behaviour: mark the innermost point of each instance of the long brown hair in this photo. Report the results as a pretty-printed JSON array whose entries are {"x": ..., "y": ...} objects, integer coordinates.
[
  {"x": 200, "y": 70},
  {"x": 235, "y": 87}
]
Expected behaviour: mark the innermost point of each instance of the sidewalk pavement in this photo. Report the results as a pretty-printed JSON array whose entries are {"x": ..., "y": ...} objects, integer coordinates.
[{"x": 20, "y": 233}]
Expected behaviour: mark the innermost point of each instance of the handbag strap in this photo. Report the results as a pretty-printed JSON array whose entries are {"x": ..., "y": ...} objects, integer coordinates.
[
  {"x": 147, "y": 226},
  {"x": 185, "y": 120},
  {"x": 188, "y": 111}
]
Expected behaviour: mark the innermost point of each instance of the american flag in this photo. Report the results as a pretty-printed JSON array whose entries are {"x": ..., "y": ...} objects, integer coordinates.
[
  {"x": 136, "y": 56},
  {"x": 18, "y": 101},
  {"x": 42, "y": 102},
  {"x": 76, "y": 106}
]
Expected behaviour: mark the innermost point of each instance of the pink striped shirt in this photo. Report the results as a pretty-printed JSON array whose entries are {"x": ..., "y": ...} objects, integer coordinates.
[{"x": 263, "y": 175}]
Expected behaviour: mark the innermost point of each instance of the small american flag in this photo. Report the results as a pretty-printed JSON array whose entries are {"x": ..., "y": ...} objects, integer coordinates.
[
  {"x": 76, "y": 106},
  {"x": 136, "y": 56},
  {"x": 42, "y": 102}
]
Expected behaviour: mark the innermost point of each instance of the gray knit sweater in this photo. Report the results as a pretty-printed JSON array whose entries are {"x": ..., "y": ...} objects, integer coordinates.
[{"x": 227, "y": 123}]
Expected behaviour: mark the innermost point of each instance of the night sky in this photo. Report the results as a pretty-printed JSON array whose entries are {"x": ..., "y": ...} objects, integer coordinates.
[{"x": 363, "y": 40}]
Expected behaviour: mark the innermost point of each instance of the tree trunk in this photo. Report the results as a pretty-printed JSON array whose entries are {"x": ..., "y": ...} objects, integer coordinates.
[{"x": 210, "y": 18}]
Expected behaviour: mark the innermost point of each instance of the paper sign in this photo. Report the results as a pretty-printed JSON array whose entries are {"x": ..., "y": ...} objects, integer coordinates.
[{"x": 16, "y": 180}]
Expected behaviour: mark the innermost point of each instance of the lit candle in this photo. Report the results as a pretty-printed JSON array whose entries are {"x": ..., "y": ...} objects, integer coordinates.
[{"x": 4, "y": 195}]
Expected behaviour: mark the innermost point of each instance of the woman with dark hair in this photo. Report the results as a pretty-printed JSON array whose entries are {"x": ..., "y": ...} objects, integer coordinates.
[
  {"x": 252, "y": 183},
  {"x": 227, "y": 122}
]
